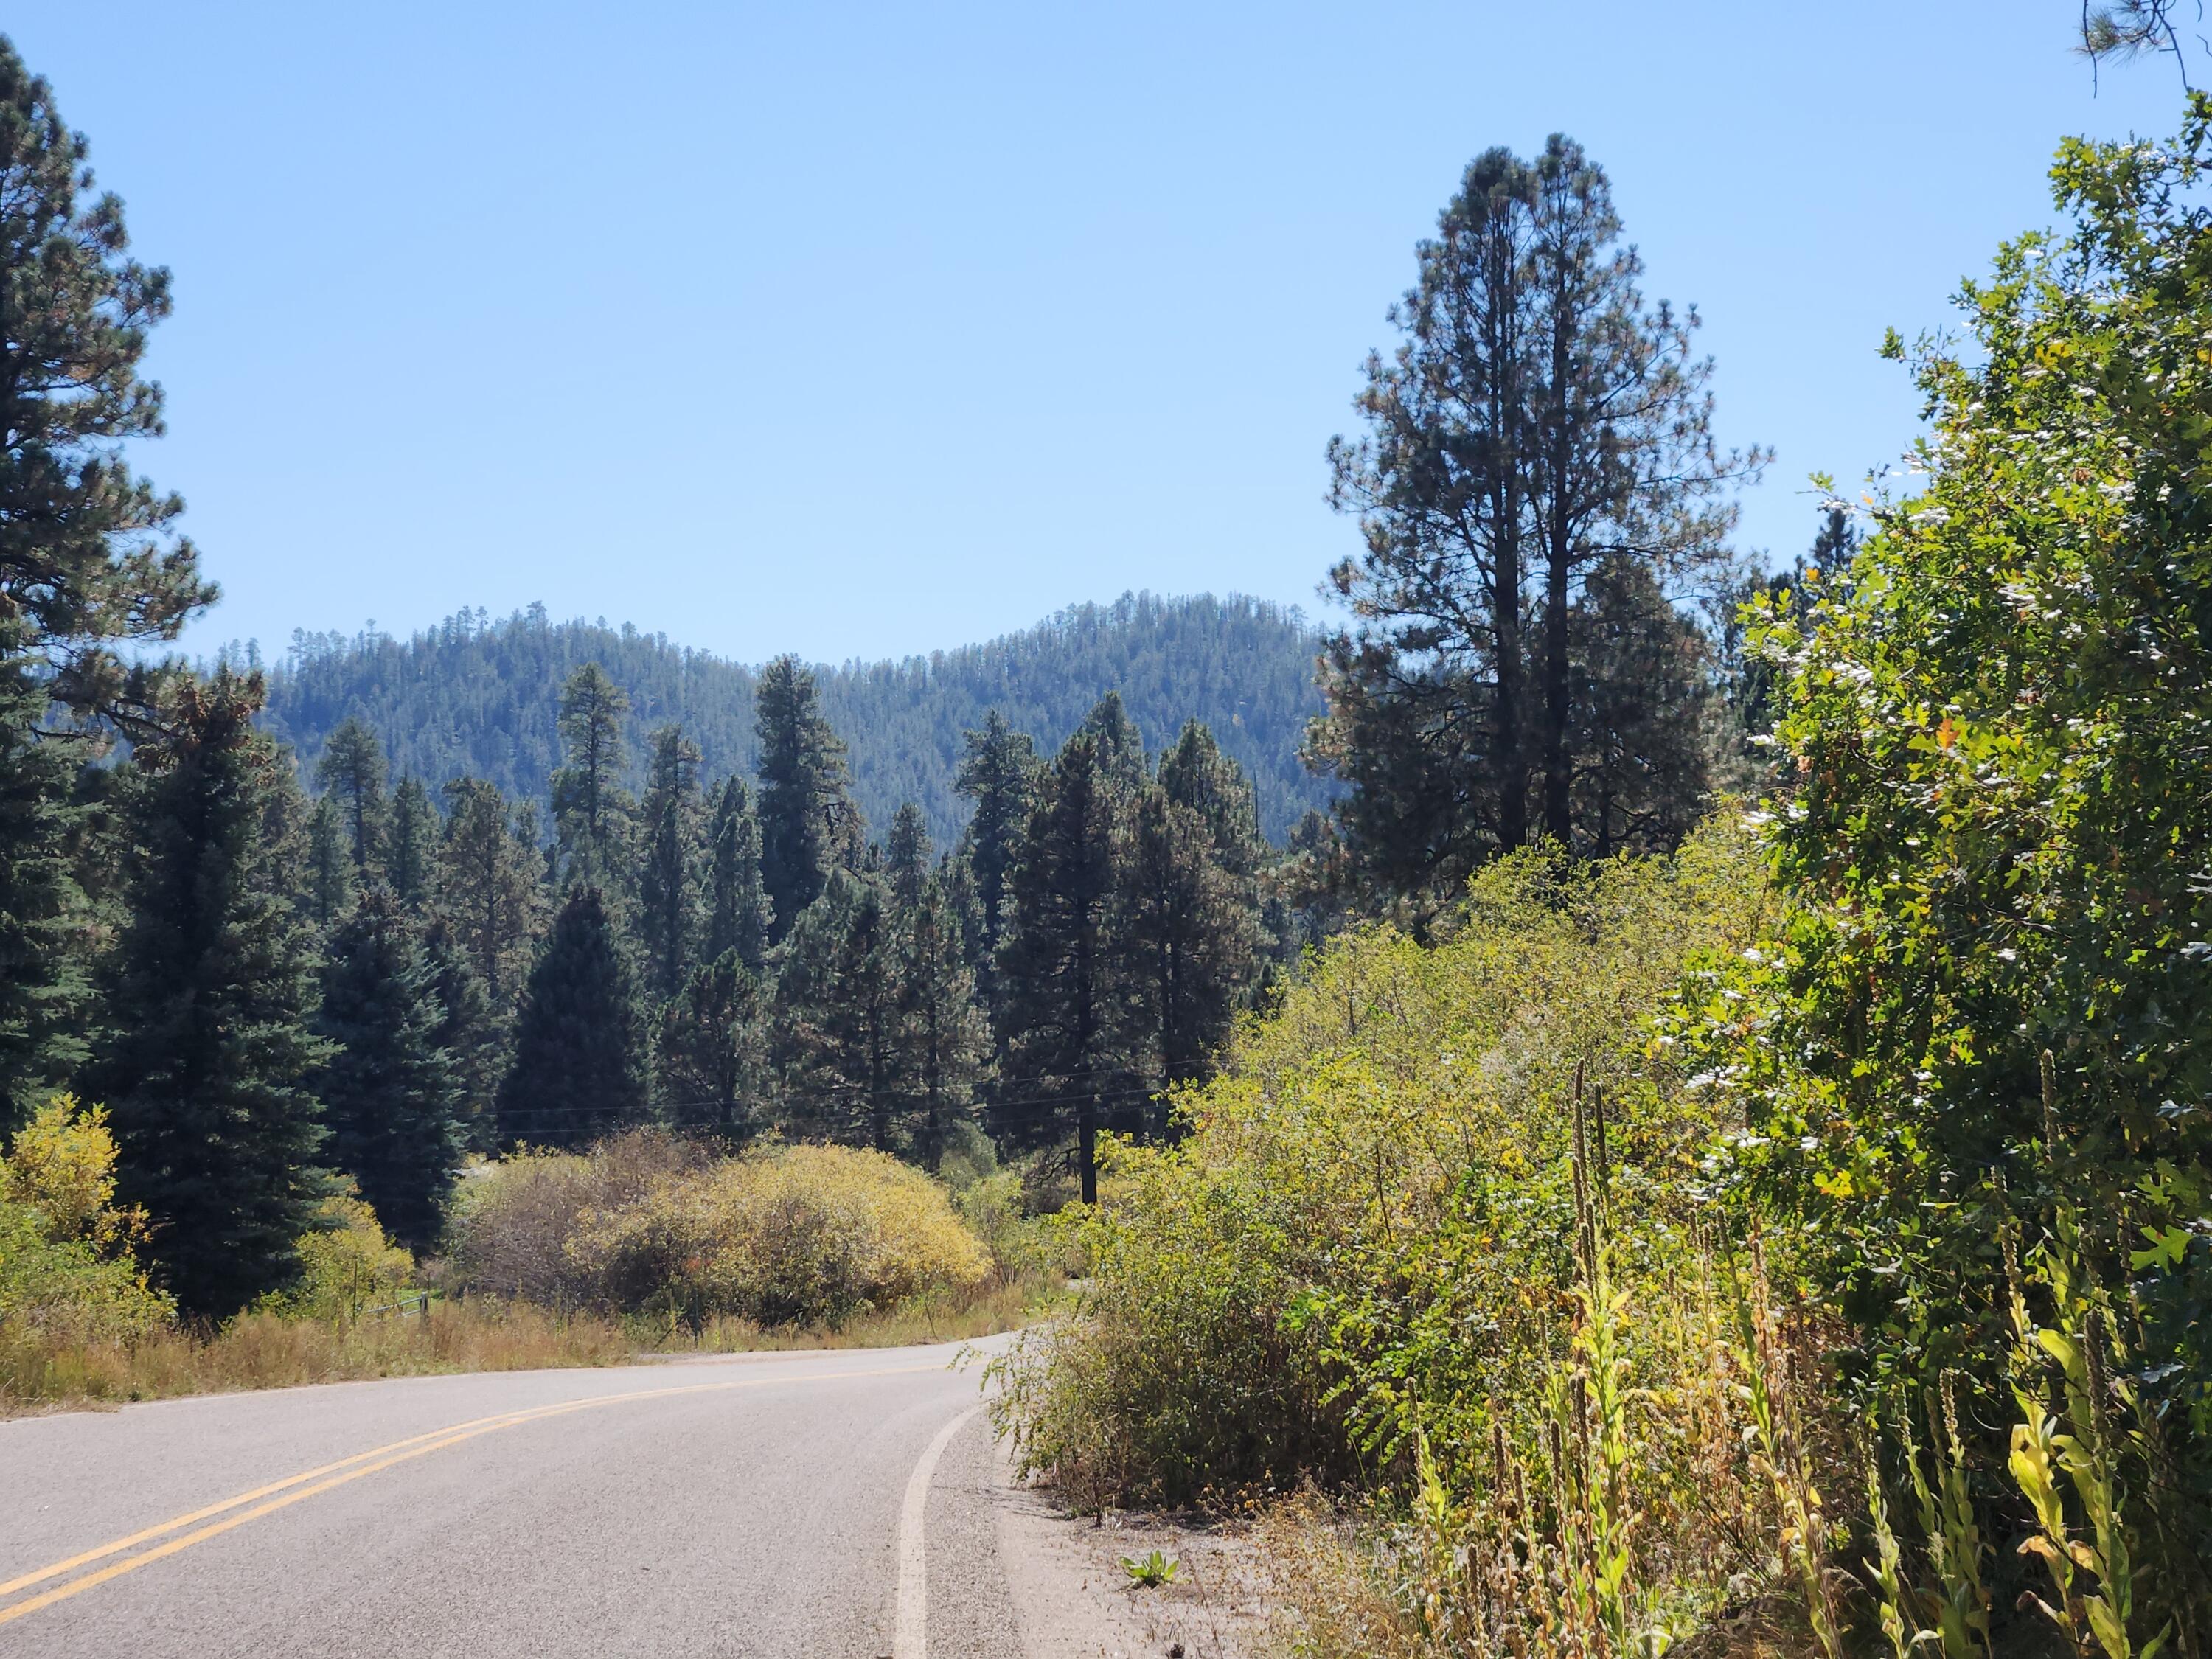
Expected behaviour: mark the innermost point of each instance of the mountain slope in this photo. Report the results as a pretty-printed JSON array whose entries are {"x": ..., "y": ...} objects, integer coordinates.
[{"x": 476, "y": 696}]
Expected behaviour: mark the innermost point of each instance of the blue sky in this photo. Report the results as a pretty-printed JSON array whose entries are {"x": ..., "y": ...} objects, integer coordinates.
[{"x": 862, "y": 329}]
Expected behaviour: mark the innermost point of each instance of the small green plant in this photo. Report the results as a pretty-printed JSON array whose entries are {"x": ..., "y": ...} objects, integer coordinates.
[{"x": 1153, "y": 1572}]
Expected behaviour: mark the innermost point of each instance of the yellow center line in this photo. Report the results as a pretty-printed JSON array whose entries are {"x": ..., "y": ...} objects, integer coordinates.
[{"x": 354, "y": 1467}]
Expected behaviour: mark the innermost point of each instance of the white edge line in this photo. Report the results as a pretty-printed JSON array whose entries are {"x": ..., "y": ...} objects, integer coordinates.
[{"x": 910, "y": 1635}]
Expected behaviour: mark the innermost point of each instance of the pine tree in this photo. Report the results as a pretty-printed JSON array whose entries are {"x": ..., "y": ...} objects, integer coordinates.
[
  {"x": 207, "y": 1073},
  {"x": 668, "y": 888},
  {"x": 999, "y": 773},
  {"x": 488, "y": 887},
  {"x": 837, "y": 1014},
  {"x": 329, "y": 869},
  {"x": 350, "y": 772},
  {"x": 1195, "y": 774},
  {"x": 739, "y": 917},
  {"x": 809, "y": 824},
  {"x": 88, "y": 553},
  {"x": 710, "y": 1067},
  {"x": 389, "y": 1091},
  {"x": 411, "y": 849},
  {"x": 1191, "y": 933},
  {"x": 592, "y": 814},
  {"x": 1070, "y": 1015},
  {"x": 578, "y": 1071},
  {"x": 1121, "y": 746},
  {"x": 908, "y": 856},
  {"x": 944, "y": 1039},
  {"x": 44, "y": 991}
]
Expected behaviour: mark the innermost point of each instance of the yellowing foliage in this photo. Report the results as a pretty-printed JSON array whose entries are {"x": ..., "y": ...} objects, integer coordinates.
[
  {"x": 350, "y": 1264},
  {"x": 66, "y": 1264}
]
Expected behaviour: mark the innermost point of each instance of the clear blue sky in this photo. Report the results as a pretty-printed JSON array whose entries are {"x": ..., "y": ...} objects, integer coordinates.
[{"x": 859, "y": 330}]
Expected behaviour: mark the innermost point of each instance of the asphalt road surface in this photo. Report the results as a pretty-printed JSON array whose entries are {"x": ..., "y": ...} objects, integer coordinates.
[{"x": 832, "y": 1503}]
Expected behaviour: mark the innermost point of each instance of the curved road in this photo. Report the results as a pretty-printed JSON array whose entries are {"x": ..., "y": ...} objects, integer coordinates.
[{"x": 833, "y": 1504}]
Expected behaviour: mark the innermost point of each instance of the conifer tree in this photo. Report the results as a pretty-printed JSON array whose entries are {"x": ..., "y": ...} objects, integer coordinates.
[
  {"x": 208, "y": 1071},
  {"x": 1191, "y": 932},
  {"x": 330, "y": 868},
  {"x": 411, "y": 849},
  {"x": 389, "y": 1092},
  {"x": 809, "y": 824},
  {"x": 999, "y": 773},
  {"x": 908, "y": 855},
  {"x": 739, "y": 917},
  {"x": 710, "y": 1067},
  {"x": 488, "y": 887},
  {"x": 837, "y": 1014},
  {"x": 1121, "y": 746},
  {"x": 351, "y": 773},
  {"x": 944, "y": 1038},
  {"x": 44, "y": 991},
  {"x": 668, "y": 888},
  {"x": 1071, "y": 1019},
  {"x": 578, "y": 1068},
  {"x": 592, "y": 814},
  {"x": 470, "y": 1031},
  {"x": 89, "y": 552},
  {"x": 1195, "y": 774}
]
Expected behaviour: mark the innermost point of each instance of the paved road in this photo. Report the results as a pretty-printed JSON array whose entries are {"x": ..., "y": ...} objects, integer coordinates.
[{"x": 755, "y": 1505}]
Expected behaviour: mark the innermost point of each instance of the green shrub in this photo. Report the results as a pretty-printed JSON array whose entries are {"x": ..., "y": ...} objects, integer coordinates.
[
  {"x": 67, "y": 1268},
  {"x": 349, "y": 1265}
]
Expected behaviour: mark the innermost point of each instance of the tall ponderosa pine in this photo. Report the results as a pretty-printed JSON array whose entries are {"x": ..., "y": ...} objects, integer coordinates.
[
  {"x": 390, "y": 1096},
  {"x": 351, "y": 773},
  {"x": 87, "y": 550},
  {"x": 411, "y": 848},
  {"x": 1195, "y": 774},
  {"x": 710, "y": 1064},
  {"x": 578, "y": 1071},
  {"x": 999, "y": 773},
  {"x": 1537, "y": 422},
  {"x": 1121, "y": 746},
  {"x": 592, "y": 814},
  {"x": 1070, "y": 1016},
  {"x": 208, "y": 1075},
  {"x": 1191, "y": 932},
  {"x": 809, "y": 824},
  {"x": 668, "y": 919},
  {"x": 489, "y": 888},
  {"x": 739, "y": 916},
  {"x": 908, "y": 855}
]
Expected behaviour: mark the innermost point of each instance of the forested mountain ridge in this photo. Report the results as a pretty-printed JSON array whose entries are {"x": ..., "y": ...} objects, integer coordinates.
[{"x": 473, "y": 697}]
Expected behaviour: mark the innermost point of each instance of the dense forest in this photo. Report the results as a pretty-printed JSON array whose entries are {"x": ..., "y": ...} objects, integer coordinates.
[
  {"x": 476, "y": 697},
  {"x": 1701, "y": 1143}
]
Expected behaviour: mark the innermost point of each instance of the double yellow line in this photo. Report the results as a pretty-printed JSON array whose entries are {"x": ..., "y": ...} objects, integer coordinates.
[{"x": 220, "y": 1518}]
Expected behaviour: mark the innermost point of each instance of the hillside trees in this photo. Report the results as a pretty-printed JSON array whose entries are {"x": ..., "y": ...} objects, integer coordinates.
[
  {"x": 1537, "y": 423},
  {"x": 208, "y": 1075}
]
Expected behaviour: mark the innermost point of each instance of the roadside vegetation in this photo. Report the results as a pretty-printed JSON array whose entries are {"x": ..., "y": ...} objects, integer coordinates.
[{"x": 1795, "y": 1244}]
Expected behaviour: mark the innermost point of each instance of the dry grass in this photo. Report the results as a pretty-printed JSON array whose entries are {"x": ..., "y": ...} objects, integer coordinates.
[{"x": 42, "y": 1371}]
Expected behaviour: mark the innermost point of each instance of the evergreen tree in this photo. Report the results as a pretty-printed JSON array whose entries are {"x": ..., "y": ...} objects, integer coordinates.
[
  {"x": 208, "y": 1072},
  {"x": 739, "y": 917},
  {"x": 577, "y": 1071},
  {"x": 1121, "y": 746},
  {"x": 330, "y": 868},
  {"x": 1537, "y": 421},
  {"x": 87, "y": 550},
  {"x": 907, "y": 858},
  {"x": 999, "y": 773},
  {"x": 488, "y": 887},
  {"x": 389, "y": 1091},
  {"x": 592, "y": 814},
  {"x": 1191, "y": 932},
  {"x": 838, "y": 1002},
  {"x": 668, "y": 890},
  {"x": 351, "y": 770},
  {"x": 469, "y": 1029},
  {"x": 1649, "y": 731},
  {"x": 1195, "y": 774},
  {"x": 710, "y": 1065},
  {"x": 411, "y": 850},
  {"x": 45, "y": 992},
  {"x": 809, "y": 824},
  {"x": 944, "y": 1038},
  {"x": 1071, "y": 1019}
]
